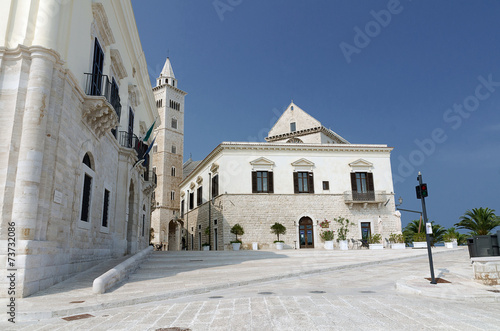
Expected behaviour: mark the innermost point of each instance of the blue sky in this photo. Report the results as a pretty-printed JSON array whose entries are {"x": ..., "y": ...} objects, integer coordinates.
[{"x": 420, "y": 76}]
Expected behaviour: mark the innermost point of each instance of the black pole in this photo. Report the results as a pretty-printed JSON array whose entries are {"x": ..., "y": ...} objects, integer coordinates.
[
  {"x": 427, "y": 235},
  {"x": 209, "y": 209}
]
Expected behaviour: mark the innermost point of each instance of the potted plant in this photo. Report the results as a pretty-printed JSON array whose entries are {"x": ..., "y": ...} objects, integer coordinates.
[
  {"x": 327, "y": 237},
  {"x": 325, "y": 224},
  {"x": 450, "y": 240},
  {"x": 419, "y": 240},
  {"x": 237, "y": 230},
  {"x": 277, "y": 229},
  {"x": 206, "y": 246},
  {"x": 375, "y": 241},
  {"x": 397, "y": 241},
  {"x": 342, "y": 232}
]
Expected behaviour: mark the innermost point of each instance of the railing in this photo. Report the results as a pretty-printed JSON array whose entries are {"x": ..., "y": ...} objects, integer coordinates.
[
  {"x": 130, "y": 140},
  {"x": 363, "y": 197},
  {"x": 99, "y": 85}
]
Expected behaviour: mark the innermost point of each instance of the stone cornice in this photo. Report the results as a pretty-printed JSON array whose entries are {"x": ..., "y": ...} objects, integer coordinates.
[
  {"x": 101, "y": 20},
  {"x": 156, "y": 88},
  {"x": 304, "y": 132},
  {"x": 117, "y": 63}
]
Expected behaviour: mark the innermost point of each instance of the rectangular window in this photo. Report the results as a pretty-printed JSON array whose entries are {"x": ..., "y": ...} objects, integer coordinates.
[
  {"x": 293, "y": 127},
  {"x": 215, "y": 185},
  {"x": 303, "y": 182},
  {"x": 326, "y": 185},
  {"x": 87, "y": 190},
  {"x": 191, "y": 200},
  {"x": 172, "y": 195},
  {"x": 199, "y": 195},
  {"x": 105, "y": 209},
  {"x": 262, "y": 182},
  {"x": 174, "y": 123},
  {"x": 143, "y": 224},
  {"x": 182, "y": 208},
  {"x": 174, "y": 149},
  {"x": 362, "y": 186},
  {"x": 97, "y": 66}
]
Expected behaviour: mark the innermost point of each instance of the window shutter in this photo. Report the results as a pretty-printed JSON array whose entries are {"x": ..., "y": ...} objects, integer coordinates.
[
  {"x": 270, "y": 184},
  {"x": 369, "y": 182},
  {"x": 254, "y": 181},
  {"x": 310, "y": 182},
  {"x": 296, "y": 182},
  {"x": 353, "y": 182}
]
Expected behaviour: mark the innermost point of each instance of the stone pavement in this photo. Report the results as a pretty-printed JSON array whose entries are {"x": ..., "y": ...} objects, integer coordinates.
[{"x": 275, "y": 290}]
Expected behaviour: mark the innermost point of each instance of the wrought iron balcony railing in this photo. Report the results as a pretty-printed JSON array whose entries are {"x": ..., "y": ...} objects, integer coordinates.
[
  {"x": 369, "y": 197},
  {"x": 99, "y": 85}
]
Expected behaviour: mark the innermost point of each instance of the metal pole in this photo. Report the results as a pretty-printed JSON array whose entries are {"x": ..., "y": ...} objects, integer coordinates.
[
  {"x": 209, "y": 208},
  {"x": 428, "y": 236},
  {"x": 187, "y": 218}
]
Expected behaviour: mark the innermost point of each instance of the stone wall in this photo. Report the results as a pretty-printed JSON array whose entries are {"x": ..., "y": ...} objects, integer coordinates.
[{"x": 257, "y": 212}]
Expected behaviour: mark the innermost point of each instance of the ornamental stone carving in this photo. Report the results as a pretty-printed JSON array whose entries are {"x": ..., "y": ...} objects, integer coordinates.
[{"x": 99, "y": 114}]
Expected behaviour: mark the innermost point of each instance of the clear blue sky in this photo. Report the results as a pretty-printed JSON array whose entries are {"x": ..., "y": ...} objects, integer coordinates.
[{"x": 418, "y": 72}]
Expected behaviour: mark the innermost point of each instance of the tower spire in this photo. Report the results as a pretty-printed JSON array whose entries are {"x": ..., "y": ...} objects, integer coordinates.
[{"x": 167, "y": 75}]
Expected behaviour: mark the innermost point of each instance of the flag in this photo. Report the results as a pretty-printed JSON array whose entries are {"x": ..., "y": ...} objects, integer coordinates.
[
  {"x": 143, "y": 158},
  {"x": 148, "y": 134}
]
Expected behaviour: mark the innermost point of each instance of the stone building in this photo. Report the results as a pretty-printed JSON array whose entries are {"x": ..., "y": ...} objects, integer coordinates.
[
  {"x": 75, "y": 97},
  {"x": 167, "y": 160},
  {"x": 304, "y": 174}
]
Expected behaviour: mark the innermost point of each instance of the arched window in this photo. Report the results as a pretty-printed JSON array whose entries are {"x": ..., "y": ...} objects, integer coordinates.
[
  {"x": 294, "y": 141},
  {"x": 173, "y": 172},
  {"x": 88, "y": 176}
]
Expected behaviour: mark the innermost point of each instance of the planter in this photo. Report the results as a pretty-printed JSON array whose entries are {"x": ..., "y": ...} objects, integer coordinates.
[
  {"x": 329, "y": 244},
  {"x": 255, "y": 246},
  {"x": 343, "y": 244},
  {"x": 450, "y": 244},
  {"x": 420, "y": 244},
  {"x": 236, "y": 246},
  {"x": 206, "y": 248},
  {"x": 398, "y": 246},
  {"x": 279, "y": 246},
  {"x": 376, "y": 246}
]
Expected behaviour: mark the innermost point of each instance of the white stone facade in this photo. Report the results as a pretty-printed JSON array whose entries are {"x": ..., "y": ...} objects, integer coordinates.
[
  {"x": 167, "y": 160},
  {"x": 330, "y": 168},
  {"x": 51, "y": 124}
]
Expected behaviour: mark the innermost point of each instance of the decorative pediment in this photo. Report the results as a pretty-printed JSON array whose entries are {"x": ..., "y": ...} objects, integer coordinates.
[
  {"x": 262, "y": 164},
  {"x": 102, "y": 23},
  {"x": 303, "y": 164},
  {"x": 361, "y": 165},
  {"x": 133, "y": 95},
  {"x": 99, "y": 114},
  {"x": 199, "y": 179},
  {"x": 214, "y": 168},
  {"x": 117, "y": 64}
]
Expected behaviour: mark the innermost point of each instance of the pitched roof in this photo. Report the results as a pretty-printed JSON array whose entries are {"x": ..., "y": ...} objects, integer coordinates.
[
  {"x": 189, "y": 166},
  {"x": 167, "y": 70}
]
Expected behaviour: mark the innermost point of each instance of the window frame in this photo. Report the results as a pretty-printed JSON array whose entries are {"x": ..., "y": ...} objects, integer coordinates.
[
  {"x": 258, "y": 178},
  {"x": 86, "y": 171}
]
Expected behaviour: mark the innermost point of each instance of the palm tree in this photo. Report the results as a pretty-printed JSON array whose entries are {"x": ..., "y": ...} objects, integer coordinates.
[
  {"x": 480, "y": 221},
  {"x": 453, "y": 233},
  {"x": 413, "y": 227}
]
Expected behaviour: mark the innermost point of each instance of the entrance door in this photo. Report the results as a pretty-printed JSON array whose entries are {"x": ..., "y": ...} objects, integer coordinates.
[
  {"x": 306, "y": 233},
  {"x": 365, "y": 232}
]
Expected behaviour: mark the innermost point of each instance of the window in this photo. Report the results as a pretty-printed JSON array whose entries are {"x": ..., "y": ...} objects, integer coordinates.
[
  {"x": 262, "y": 182},
  {"x": 191, "y": 200},
  {"x": 97, "y": 66},
  {"x": 88, "y": 175},
  {"x": 362, "y": 186},
  {"x": 182, "y": 208},
  {"x": 105, "y": 209},
  {"x": 293, "y": 127},
  {"x": 174, "y": 149},
  {"x": 143, "y": 220},
  {"x": 172, "y": 195},
  {"x": 199, "y": 195},
  {"x": 172, "y": 172},
  {"x": 215, "y": 185},
  {"x": 155, "y": 148},
  {"x": 303, "y": 182},
  {"x": 326, "y": 185},
  {"x": 174, "y": 123}
]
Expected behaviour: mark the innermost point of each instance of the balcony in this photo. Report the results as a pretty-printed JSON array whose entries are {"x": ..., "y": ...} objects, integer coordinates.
[
  {"x": 130, "y": 140},
  {"x": 365, "y": 198},
  {"x": 101, "y": 105}
]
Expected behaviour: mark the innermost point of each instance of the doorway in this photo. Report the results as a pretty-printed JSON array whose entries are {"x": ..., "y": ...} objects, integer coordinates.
[
  {"x": 365, "y": 233},
  {"x": 306, "y": 233}
]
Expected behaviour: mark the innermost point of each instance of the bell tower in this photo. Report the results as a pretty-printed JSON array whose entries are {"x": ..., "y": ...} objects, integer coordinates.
[{"x": 167, "y": 160}]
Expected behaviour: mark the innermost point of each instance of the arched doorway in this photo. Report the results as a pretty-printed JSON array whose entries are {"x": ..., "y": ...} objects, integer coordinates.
[
  {"x": 306, "y": 233},
  {"x": 173, "y": 244}
]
